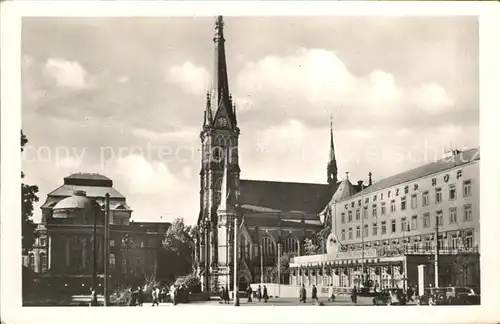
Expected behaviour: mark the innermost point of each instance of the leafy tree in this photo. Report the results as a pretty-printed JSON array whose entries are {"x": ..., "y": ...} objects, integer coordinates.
[
  {"x": 29, "y": 197},
  {"x": 322, "y": 237},
  {"x": 178, "y": 250},
  {"x": 310, "y": 248},
  {"x": 272, "y": 272}
]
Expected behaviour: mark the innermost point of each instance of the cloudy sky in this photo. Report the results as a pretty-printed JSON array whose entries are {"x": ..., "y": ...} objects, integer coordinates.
[{"x": 125, "y": 97}]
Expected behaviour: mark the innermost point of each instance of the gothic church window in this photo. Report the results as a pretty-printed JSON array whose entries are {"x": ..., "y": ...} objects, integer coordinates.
[
  {"x": 43, "y": 262},
  {"x": 268, "y": 247},
  {"x": 291, "y": 244}
]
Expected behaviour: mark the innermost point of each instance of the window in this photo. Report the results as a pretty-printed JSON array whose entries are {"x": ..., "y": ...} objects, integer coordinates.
[
  {"x": 350, "y": 233},
  {"x": 291, "y": 245},
  {"x": 453, "y": 192},
  {"x": 467, "y": 188},
  {"x": 43, "y": 262},
  {"x": 439, "y": 195},
  {"x": 142, "y": 243},
  {"x": 374, "y": 229},
  {"x": 439, "y": 217},
  {"x": 342, "y": 235},
  {"x": 384, "y": 228},
  {"x": 414, "y": 202},
  {"x": 404, "y": 225},
  {"x": 403, "y": 203},
  {"x": 427, "y": 220},
  {"x": 358, "y": 212},
  {"x": 268, "y": 247},
  {"x": 31, "y": 261},
  {"x": 112, "y": 261},
  {"x": 442, "y": 242},
  {"x": 111, "y": 243},
  {"x": 365, "y": 212},
  {"x": 365, "y": 231},
  {"x": 393, "y": 226},
  {"x": 374, "y": 210},
  {"x": 349, "y": 216},
  {"x": 382, "y": 209},
  {"x": 453, "y": 215},
  {"x": 414, "y": 223},
  {"x": 468, "y": 213},
  {"x": 454, "y": 243},
  {"x": 425, "y": 198},
  {"x": 342, "y": 218},
  {"x": 393, "y": 206},
  {"x": 468, "y": 240},
  {"x": 124, "y": 265},
  {"x": 358, "y": 231},
  {"x": 43, "y": 241}
]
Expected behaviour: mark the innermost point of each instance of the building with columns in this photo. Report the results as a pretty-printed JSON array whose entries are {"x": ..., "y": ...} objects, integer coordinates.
[
  {"x": 273, "y": 215},
  {"x": 396, "y": 224},
  {"x": 63, "y": 253}
]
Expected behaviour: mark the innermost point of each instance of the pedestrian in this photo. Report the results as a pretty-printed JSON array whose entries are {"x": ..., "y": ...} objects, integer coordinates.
[
  {"x": 354, "y": 295},
  {"x": 140, "y": 297},
  {"x": 222, "y": 295},
  {"x": 332, "y": 295},
  {"x": 226, "y": 295},
  {"x": 314, "y": 295},
  {"x": 249, "y": 293},
  {"x": 302, "y": 295},
  {"x": 409, "y": 294},
  {"x": 264, "y": 294},
  {"x": 93, "y": 297},
  {"x": 176, "y": 295},
  {"x": 155, "y": 295},
  {"x": 259, "y": 293}
]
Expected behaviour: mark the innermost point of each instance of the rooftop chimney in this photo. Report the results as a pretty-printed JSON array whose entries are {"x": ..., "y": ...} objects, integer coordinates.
[
  {"x": 360, "y": 184},
  {"x": 370, "y": 178}
]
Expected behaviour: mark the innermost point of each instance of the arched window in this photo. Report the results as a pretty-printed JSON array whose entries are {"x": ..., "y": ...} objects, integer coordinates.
[
  {"x": 112, "y": 261},
  {"x": 244, "y": 248},
  {"x": 291, "y": 244},
  {"x": 31, "y": 261},
  {"x": 43, "y": 262},
  {"x": 268, "y": 247}
]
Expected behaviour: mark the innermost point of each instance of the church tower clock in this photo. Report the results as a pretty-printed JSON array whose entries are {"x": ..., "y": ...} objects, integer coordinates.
[{"x": 219, "y": 172}]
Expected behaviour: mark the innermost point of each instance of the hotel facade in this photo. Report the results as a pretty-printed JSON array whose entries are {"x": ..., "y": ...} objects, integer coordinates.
[{"x": 381, "y": 234}]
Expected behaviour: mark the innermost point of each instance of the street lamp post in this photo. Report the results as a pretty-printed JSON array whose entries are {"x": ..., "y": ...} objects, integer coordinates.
[
  {"x": 93, "y": 296},
  {"x": 436, "y": 258},
  {"x": 235, "y": 258},
  {"x": 279, "y": 269},
  {"x": 106, "y": 250},
  {"x": 261, "y": 265}
]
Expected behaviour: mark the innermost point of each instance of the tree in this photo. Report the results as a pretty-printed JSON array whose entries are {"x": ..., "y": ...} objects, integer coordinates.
[
  {"x": 310, "y": 248},
  {"x": 178, "y": 251},
  {"x": 29, "y": 197},
  {"x": 322, "y": 237},
  {"x": 272, "y": 273}
]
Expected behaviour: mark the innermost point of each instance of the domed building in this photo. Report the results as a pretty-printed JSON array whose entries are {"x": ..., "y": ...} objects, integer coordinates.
[{"x": 63, "y": 252}]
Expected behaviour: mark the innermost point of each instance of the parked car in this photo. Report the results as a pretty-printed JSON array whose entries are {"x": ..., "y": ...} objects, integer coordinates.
[
  {"x": 461, "y": 296},
  {"x": 390, "y": 296},
  {"x": 433, "y": 296}
]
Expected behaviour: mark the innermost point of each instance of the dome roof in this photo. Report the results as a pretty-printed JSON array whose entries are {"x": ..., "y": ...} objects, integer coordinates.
[{"x": 74, "y": 202}]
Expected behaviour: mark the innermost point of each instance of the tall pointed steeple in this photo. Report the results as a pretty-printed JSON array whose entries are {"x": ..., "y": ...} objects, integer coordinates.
[
  {"x": 332, "y": 162},
  {"x": 221, "y": 98}
]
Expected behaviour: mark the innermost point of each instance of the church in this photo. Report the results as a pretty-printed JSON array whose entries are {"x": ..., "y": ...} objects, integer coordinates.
[{"x": 272, "y": 216}]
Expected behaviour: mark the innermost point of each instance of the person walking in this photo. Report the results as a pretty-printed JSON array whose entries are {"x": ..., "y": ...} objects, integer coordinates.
[
  {"x": 259, "y": 293},
  {"x": 249, "y": 293},
  {"x": 264, "y": 294},
  {"x": 354, "y": 295},
  {"x": 409, "y": 294},
  {"x": 302, "y": 294},
  {"x": 314, "y": 295},
  {"x": 226, "y": 296},
  {"x": 155, "y": 295}
]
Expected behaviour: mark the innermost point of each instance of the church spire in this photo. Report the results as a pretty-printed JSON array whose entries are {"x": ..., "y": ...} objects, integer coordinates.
[
  {"x": 221, "y": 98},
  {"x": 208, "y": 112},
  {"x": 332, "y": 162}
]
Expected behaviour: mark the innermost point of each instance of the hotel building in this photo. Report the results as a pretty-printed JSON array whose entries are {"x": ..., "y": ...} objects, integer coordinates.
[{"x": 392, "y": 226}]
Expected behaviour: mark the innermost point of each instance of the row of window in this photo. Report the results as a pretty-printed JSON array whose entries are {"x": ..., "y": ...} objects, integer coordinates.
[
  {"x": 409, "y": 224},
  {"x": 42, "y": 265},
  {"x": 438, "y": 198},
  {"x": 290, "y": 245}
]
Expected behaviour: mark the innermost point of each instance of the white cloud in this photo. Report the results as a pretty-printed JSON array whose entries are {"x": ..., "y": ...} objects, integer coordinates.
[
  {"x": 191, "y": 78},
  {"x": 123, "y": 79},
  {"x": 183, "y": 134},
  {"x": 67, "y": 74},
  {"x": 316, "y": 80}
]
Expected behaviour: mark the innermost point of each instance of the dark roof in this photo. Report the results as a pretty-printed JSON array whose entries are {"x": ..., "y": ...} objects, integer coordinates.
[
  {"x": 91, "y": 191},
  {"x": 307, "y": 198},
  {"x": 423, "y": 171},
  {"x": 87, "y": 176}
]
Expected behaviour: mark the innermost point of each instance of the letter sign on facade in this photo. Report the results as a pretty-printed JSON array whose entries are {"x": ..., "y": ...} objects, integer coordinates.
[
  {"x": 415, "y": 187},
  {"x": 459, "y": 174},
  {"x": 397, "y": 191},
  {"x": 446, "y": 177},
  {"x": 434, "y": 181},
  {"x": 406, "y": 189}
]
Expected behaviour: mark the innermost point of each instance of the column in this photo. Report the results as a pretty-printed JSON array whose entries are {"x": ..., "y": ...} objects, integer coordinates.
[{"x": 421, "y": 279}]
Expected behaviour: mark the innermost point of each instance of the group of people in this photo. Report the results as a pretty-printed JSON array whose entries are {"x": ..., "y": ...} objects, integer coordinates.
[
  {"x": 176, "y": 294},
  {"x": 314, "y": 295},
  {"x": 261, "y": 294}
]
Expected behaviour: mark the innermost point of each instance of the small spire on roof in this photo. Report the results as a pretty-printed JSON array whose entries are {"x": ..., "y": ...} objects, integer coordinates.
[{"x": 347, "y": 176}]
